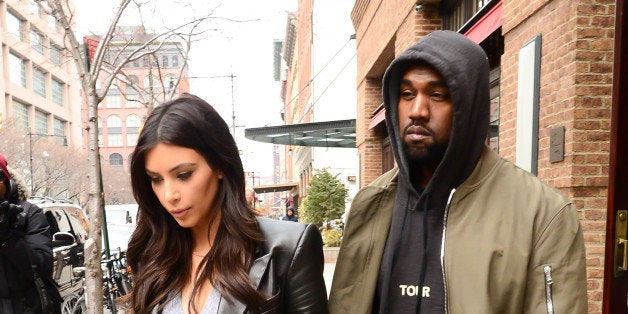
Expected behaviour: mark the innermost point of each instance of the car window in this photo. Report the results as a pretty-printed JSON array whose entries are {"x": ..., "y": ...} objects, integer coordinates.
[
  {"x": 78, "y": 222},
  {"x": 63, "y": 224},
  {"x": 50, "y": 217}
]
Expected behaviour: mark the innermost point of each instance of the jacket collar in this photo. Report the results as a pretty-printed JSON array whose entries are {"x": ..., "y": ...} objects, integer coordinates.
[{"x": 256, "y": 273}]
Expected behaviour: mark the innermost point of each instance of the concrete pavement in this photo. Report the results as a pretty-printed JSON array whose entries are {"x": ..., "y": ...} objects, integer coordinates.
[{"x": 328, "y": 274}]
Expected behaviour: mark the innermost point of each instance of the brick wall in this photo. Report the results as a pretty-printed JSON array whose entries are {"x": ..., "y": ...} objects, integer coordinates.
[
  {"x": 368, "y": 142},
  {"x": 402, "y": 28},
  {"x": 576, "y": 80}
]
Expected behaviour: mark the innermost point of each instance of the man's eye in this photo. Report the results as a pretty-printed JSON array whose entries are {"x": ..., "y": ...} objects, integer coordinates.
[
  {"x": 440, "y": 96},
  {"x": 405, "y": 94},
  {"x": 184, "y": 175}
]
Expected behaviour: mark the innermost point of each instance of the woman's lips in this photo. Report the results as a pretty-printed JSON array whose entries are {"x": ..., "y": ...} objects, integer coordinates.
[{"x": 179, "y": 213}]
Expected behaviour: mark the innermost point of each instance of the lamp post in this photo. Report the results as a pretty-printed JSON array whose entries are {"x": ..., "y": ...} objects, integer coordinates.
[{"x": 30, "y": 150}]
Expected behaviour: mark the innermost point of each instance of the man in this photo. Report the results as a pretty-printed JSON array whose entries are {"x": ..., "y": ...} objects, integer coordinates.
[
  {"x": 290, "y": 216},
  {"x": 26, "y": 284},
  {"x": 454, "y": 228}
]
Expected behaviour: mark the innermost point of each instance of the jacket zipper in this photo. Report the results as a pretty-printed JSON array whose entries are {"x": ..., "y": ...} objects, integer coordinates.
[
  {"x": 442, "y": 246},
  {"x": 547, "y": 270}
]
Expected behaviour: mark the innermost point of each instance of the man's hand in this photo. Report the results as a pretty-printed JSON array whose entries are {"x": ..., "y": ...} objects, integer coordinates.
[{"x": 8, "y": 213}]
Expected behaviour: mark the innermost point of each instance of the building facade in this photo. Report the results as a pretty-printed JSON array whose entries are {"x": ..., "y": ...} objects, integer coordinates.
[
  {"x": 553, "y": 93},
  {"x": 39, "y": 83},
  {"x": 319, "y": 84},
  {"x": 141, "y": 85}
]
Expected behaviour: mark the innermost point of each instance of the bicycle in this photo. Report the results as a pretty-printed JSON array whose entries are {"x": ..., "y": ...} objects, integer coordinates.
[{"x": 116, "y": 283}]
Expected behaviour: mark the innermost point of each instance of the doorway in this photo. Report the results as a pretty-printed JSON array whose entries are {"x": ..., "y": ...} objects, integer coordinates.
[{"x": 616, "y": 255}]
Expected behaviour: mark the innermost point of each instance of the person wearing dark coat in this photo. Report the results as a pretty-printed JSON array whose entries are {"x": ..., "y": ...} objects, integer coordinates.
[
  {"x": 290, "y": 216},
  {"x": 25, "y": 250}
]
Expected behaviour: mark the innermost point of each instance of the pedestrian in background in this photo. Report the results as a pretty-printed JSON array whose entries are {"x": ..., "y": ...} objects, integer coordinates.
[
  {"x": 454, "y": 228},
  {"x": 290, "y": 215},
  {"x": 198, "y": 244},
  {"x": 26, "y": 260}
]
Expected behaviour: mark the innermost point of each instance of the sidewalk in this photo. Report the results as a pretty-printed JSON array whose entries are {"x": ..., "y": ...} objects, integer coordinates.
[
  {"x": 328, "y": 274},
  {"x": 331, "y": 254}
]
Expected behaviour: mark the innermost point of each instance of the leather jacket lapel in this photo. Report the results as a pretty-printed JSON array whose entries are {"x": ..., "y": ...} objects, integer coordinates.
[
  {"x": 258, "y": 269},
  {"x": 255, "y": 275}
]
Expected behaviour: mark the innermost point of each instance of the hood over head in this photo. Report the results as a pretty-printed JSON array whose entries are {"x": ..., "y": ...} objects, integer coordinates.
[
  {"x": 20, "y": 192},
  {"x": 464, "y": 66},
  {"x": 290, "y": 208},
  {"x": 3, "y": 169}
]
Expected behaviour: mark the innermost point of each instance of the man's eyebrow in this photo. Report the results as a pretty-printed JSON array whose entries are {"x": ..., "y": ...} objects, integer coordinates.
[{"x": 437, "y": 83}]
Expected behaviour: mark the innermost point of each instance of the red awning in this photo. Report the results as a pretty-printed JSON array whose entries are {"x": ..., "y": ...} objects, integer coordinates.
[
  {"x": 377, "y": 118},
  {"x": 491, "y": 21}
]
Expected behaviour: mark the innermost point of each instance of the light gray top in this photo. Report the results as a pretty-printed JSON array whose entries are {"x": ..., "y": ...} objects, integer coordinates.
[{"x": 174, "y": 306}]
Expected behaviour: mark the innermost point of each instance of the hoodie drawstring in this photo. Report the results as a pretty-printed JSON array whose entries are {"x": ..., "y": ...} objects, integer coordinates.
[{"x": 424, "y": 258}]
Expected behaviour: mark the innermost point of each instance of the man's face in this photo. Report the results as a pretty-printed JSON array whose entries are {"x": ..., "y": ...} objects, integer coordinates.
[
  {"x": 3, "y": 189},
  {"x": 425, "y": 114}
]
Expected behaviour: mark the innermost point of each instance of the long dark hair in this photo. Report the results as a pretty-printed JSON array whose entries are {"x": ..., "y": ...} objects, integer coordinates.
[{"x": 159, "y": 250}]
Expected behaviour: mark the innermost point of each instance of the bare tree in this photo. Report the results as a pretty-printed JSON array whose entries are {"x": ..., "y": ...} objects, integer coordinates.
[
  {"x": 46, "y": 163},
  {"x": 108, "y": 63}
]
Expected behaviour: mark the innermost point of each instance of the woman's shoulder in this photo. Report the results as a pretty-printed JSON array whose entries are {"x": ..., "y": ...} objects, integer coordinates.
[{"x": 280, "y": 232}]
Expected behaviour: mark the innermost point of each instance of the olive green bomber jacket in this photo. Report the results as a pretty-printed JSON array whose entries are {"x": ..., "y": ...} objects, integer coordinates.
[{"x": 511, "y": 245}]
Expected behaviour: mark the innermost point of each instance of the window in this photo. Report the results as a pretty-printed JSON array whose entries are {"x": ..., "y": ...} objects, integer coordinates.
[
  {"x": 57, "y": 92},
  {"x": 133, "y": 79},
  {"x": 15, "y": 25},
  {"x": 131, "y": 139},
  {"x": 59, "y": 127},
  {"x": 115, "y": 159},
  {"x": 34, "y": 7},
  {"x": 101, "y": 141},
  {"x": 113, "y": 101},
  {"x": 41, "y": 122},
  {"x": 175, "y": 61},
  {"x": 169, "y": 82},
  {"x": 114, "y": 140},
  {"x": 37, "y": 41},
  {"x": 52, "y": 22},
  {"x": 55, "y": 54},
  {"x": 132, "y": 101},
  {"x": 17, "y": 70},
  {"x": 59, "y": 131},
  {"x": 39, "y": 82},
  {"x": 114, "y": 131},
  {"x": 459, "y": 13},
  {"x": 151, "y": 84},
  {"x": 133, "y": 123},
  {"x": 20, "y": 115},
  {"x": 164, "y": 61},
  {"x": 113, "y": 121}
]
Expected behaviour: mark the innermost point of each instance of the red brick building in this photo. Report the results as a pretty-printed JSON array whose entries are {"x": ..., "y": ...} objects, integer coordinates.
[
  {"x": 125, "y": 106},
  {"x": 556, "y": 78}
]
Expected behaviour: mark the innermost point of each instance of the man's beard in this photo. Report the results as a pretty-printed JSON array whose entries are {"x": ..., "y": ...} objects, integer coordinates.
[{"x": 432, "y": 154}]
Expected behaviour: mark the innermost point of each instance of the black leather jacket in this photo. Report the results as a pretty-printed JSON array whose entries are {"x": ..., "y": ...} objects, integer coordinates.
[{"x": 289, "y": 268}]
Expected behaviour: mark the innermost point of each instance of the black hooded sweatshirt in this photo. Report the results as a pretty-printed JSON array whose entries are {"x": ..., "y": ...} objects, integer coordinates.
[{"x": 411, "y": 270}]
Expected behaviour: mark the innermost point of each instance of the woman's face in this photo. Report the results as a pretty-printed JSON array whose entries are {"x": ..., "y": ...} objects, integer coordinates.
[{"x": 184, "y": 184}]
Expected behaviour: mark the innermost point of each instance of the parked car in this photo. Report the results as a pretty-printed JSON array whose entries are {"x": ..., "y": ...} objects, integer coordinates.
[{"x": 69, "y": 226}]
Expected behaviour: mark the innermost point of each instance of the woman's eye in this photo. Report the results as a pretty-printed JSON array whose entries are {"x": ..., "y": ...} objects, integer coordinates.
[
  {"x": 184, "y": 175},
  {"x": 155, "y": 180}
]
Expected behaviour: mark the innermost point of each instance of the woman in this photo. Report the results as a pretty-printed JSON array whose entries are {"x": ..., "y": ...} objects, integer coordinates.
[{"x": 198, "y": 246}]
